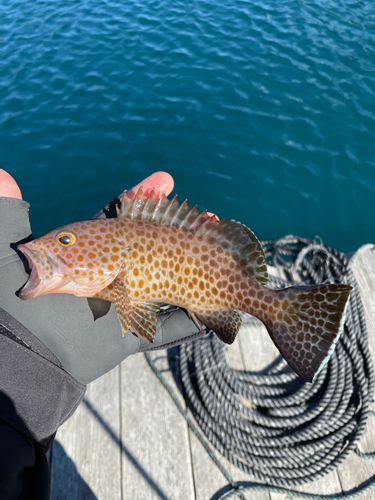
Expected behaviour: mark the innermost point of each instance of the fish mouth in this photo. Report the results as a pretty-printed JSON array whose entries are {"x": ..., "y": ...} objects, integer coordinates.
[{"x": 37, "y": 285}]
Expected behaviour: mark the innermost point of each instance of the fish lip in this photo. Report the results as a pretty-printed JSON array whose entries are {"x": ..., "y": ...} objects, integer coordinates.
[{"x": 35, "y": 284}]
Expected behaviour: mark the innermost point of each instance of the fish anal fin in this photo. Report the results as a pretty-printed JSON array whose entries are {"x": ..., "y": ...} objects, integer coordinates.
[
  {"x": 233, "y": 237},
  {"x": 138, "y": 317},
  {"x": 224, "y": 322},
  {"x": 308, "y": 324}
]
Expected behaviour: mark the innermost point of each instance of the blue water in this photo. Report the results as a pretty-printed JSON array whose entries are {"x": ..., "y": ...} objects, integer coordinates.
[{"x": 263, "y": 111}]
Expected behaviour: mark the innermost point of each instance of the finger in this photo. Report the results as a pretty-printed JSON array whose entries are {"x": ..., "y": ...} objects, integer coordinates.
[
  {"x": 161, "y": 181},
  {"x": 8, "y": 186},
  {"x": 211, "y": 214}
]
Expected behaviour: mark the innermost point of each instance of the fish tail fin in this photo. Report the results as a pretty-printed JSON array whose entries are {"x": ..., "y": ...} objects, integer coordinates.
[{"x": 305, "y": 323}]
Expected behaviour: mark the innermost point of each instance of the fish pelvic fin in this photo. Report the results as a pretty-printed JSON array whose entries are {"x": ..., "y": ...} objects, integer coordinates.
[
  {"x": 305, "y": 323},
  {"x": 224, "y": 322},
  {"x": 233, "y": 237},
  {"x": 195, "y": 320}
]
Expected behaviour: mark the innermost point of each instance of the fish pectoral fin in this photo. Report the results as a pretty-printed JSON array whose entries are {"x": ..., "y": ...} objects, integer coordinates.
[
  {"x": 224, "y": 322},
  {"x": 143, "y": 320},
  {"x": 138, "y": 317}
]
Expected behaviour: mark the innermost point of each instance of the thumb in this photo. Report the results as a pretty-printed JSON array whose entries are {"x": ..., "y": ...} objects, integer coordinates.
[{"x": 8, "y": 186}]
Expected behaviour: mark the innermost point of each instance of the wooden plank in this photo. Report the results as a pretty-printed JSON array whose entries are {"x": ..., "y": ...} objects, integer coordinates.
[
  {"x": 363, "y": 266},
  {"x": 210, "y": 483},
  {"x": 355, "y": 469},
  {"x": 156, "y": 462},
  {"x": 85, "y": 461}
]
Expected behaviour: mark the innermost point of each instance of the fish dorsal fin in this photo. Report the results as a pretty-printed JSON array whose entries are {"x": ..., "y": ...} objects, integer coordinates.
[{"x": 232, "y": 236}]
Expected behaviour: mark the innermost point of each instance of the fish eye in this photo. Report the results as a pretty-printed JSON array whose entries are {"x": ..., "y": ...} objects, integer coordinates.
[{"x": 66, "y": 239}]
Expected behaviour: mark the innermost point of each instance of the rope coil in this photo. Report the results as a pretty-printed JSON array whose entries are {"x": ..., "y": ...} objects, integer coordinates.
[{"x": 273, "y": 426}]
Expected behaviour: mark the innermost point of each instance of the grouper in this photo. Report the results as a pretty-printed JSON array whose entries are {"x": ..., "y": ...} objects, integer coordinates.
[{"x": 159, "y": 251}]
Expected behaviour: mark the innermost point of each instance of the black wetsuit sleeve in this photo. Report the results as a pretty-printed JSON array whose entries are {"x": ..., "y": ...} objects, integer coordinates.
[
  {"x": 24, "y": 472},
  {"x": 36, "y": 397}
]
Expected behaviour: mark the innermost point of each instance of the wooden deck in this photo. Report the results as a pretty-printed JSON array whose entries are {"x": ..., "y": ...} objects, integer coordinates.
[{"x": 127, "y": 440}]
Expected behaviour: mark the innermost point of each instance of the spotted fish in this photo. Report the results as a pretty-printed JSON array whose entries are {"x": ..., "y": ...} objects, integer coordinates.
[{"x": 158, "y": 250}]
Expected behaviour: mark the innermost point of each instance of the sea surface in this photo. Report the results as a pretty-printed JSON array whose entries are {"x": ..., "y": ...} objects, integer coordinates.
[{"x": 262, "y": 110}]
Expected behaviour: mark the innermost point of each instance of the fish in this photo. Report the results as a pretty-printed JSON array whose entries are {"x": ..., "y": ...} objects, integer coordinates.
[{"x": 158, "y": 251}]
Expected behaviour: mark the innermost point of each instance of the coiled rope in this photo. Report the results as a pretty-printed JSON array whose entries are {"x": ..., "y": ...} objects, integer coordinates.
[{"x": 273, "y": 426}]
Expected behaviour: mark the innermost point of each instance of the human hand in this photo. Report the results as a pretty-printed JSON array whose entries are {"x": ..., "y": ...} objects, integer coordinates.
[{"x": 86, "y": 345}]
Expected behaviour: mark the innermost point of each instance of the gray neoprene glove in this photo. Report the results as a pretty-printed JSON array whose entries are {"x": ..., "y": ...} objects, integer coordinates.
[{"x": 84, "y": 334}]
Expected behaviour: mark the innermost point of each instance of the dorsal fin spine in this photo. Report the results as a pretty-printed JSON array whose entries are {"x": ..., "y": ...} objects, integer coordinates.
[
  {"x": 202, "y": 227},
  {"x": 131, "y": 205},
  {"x": 186, "y": 218},
  {"x": 138, "y": 197},
  {"x": 148, "y": 202},
  {"x": 166, "y": 213},
  {"x": 124, "y": 202},
  {"x": 156, "y": 210},
  {"x": 182, "y": 207},
  {"x": 175, "y": 216}
]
